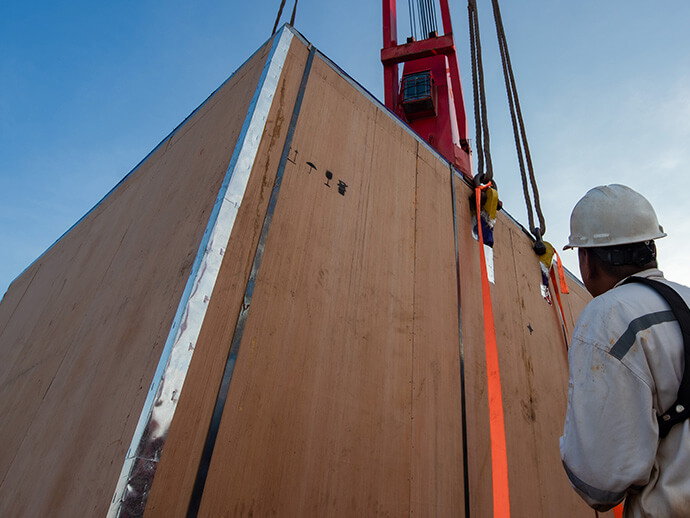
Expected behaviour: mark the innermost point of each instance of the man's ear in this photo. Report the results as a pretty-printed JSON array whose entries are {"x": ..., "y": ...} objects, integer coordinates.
[
  {"x": 589, "y": 270},
  {"x": 590, "y": 262},
  {"x": 583, "y": 262}
]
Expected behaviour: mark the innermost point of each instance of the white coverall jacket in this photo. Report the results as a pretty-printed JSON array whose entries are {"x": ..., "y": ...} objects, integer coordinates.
[{"x": 626, "y": 363}]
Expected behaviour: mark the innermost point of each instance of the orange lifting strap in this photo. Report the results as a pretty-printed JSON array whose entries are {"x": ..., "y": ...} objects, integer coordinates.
[
  {"x": 563, "y": 288},
  {"x": 559, "y": 284},
  {"x": 561, "y": 274},
  {"x": 499, "y": 457}
]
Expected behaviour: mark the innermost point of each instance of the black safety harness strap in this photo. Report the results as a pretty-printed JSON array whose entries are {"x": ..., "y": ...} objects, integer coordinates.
[{"x": 680, "y": 409}]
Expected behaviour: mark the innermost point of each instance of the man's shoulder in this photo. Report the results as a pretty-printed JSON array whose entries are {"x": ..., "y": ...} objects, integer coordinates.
[
  {"x": 646, "y": 295},
  {"x": 605, "y": 316},
  {"x": 616, "y": 299},
  {"x": 611, "y": 313}
]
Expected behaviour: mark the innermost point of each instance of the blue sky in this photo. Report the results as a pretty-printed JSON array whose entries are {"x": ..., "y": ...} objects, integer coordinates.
[{"x": 87, "y": 89}]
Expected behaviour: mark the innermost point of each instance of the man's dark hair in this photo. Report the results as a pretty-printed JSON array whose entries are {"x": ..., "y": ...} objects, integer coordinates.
[{"x": 624, "y": 260}]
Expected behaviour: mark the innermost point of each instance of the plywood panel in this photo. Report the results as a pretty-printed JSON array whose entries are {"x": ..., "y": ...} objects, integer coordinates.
[
  {"x": 10, "y": 300},
  {"x": 41, "y": 333},
  {"x": 437, "y": 456},
  {"x": 174, "y": 479},
  {"x": 23, "y": 313},
  {"x": 318, "y": 417},
  {"x": 86, "y": 336}
]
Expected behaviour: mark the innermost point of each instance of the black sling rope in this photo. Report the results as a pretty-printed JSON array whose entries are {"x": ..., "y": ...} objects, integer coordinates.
[
  {"x": 294, "y": 11},
  {"x": 680, "y": 409},
  {"x": 484, "y": 166},
  {"x": 520, "y": 135},
  {"x": 485, "y": 171},
  {"x": 280, "y": 12}
]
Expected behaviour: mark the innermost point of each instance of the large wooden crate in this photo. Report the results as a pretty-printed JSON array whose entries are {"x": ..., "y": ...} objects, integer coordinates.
[{"x": 296, "y": 240}]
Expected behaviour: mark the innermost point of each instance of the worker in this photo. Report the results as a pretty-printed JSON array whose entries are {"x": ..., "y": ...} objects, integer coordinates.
[{"x": 626, "y": 362}]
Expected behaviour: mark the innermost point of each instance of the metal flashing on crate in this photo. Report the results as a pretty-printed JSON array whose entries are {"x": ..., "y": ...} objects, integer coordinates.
[
  {"x": 297, "y": 34},
  {"x": 219, "y": 406},
  {"x": 143, "y": 455}
]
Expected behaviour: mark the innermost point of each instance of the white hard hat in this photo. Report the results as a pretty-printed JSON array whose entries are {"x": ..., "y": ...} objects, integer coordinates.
[{"x": 611, "y": 215}]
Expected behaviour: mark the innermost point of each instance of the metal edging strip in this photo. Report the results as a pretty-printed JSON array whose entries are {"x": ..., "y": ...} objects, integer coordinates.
[
  {"x": 154, "y": 422},
  {"x": 212, "y": 434},
  {"x": 463, "y": 404}
]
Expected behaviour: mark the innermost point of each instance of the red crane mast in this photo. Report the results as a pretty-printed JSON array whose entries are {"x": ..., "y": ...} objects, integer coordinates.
[{"x": 428, "y": 96}]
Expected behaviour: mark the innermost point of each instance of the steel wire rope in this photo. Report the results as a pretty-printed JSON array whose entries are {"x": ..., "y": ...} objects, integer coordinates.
[
  {"x": 425, "y": 3},
  {"x": 430, "y": 15},
  {"x": 432, "y": 7},
  {"x": 422, "y": 19},
  {"x": 484, "y": 164},
  {"x": 425, "y": 6},
  {"x": 294, "y": 12},
  {"x": 280, "y": 13},
  {"x": 430, "y": 24},
  {"x": 519, "y": 130},
  {"x": 420, "y": 24},
  {"x": 411, "y": 13}
]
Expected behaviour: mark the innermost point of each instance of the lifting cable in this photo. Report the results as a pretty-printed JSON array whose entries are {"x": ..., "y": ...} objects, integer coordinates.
[
  {"x": 431, "y": 10},
  {"x": 526, "y": 168},
  {"x": 484, "y": 167},
  {"x": 413, "y": 22},
  {"x": 422, "y": 17},
  {"x": 520, "y": 135},
  {"x": 280, "y": 12}
]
